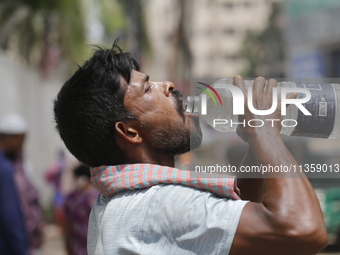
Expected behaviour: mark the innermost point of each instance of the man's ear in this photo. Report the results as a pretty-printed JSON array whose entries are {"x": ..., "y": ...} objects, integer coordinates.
[{"x": 128, "y": 132}]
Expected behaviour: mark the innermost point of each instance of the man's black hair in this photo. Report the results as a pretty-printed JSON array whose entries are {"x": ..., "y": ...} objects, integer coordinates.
[{"x": 91, "y": 102}]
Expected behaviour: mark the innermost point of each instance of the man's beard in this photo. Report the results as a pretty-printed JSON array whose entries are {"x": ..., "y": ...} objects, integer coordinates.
[{"x": 175, "y": 138}]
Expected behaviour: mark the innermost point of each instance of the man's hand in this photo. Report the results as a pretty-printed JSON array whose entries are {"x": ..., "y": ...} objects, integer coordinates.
[
  {"x": 262, "y": 100},
  {"x": 287, "y": 219}
]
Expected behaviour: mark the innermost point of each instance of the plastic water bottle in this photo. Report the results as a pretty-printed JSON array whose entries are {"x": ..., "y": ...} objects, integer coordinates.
[{"x": 324, "y": 121}]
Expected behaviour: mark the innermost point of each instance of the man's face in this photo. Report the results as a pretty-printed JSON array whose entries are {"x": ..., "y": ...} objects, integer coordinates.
[
  {"x": 12, "y": 145},
  {"x": 159, "y": 110}
]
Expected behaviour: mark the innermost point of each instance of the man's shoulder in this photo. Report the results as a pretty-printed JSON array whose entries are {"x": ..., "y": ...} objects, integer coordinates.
[
  {"x": 178, "y": 195},
  {"x": 179, "y": 190},
  {"x": 164, "y": 190},
  {"x": 168, "y": 213},
  {"x": 159, "y": 197}
]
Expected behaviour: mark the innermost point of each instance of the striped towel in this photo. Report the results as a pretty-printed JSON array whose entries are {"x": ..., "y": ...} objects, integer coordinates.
[{"x": 112, "y": 179}]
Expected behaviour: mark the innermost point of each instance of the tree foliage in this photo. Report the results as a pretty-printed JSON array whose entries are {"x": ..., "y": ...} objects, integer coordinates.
[{"x": 42, "y": 30}]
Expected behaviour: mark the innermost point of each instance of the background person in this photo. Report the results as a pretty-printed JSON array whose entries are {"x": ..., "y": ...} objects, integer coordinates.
[
  {"x": 53, "y": 177},
  {"x": 13, "y": 233},
  {"x": 13, "y": 130},
  {"x": 77, "y": 210}
]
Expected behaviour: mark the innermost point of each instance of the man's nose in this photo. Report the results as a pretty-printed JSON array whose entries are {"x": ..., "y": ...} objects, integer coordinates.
[{"x": 168, "y": 87}]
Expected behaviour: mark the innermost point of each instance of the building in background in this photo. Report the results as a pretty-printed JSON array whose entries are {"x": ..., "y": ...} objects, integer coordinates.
[
  {"x": 219, "y": 31},
  {"x": 202, "y": 38},
  {"x": 312, "y": 38},
  {"x": 312, "y": 48}
]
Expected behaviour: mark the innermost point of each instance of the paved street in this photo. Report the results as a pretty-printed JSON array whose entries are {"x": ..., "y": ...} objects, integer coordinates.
[{"x": 53, "y": 244}]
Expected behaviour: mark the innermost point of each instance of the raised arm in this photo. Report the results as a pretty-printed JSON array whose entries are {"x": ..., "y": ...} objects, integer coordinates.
[
  {"x": 288, "y": 220},
  {"x": 251, "y": 189}
]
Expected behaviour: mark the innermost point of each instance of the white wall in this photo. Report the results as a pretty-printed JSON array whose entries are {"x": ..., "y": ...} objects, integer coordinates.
[{"x": 23, "y": 91}]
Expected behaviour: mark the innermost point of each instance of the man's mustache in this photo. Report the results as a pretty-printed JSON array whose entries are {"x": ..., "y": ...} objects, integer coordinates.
[{"x": 178, "y": 97}]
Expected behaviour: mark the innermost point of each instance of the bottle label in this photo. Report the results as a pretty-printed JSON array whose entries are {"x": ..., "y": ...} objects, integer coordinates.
[{"x": 322, "y": 106}]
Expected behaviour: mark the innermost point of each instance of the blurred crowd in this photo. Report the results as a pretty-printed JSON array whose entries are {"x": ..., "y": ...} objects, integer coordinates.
[{"x": 21, "y": 215}]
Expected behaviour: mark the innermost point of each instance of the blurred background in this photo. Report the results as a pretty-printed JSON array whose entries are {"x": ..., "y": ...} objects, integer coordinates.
[{"x": 42, "y": 41}]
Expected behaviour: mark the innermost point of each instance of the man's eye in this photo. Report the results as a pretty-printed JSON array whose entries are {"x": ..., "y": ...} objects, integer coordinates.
[{"x": 148, "y": 89}]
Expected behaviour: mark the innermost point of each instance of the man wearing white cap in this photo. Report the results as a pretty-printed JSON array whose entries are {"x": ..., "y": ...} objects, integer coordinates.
[
  {"x": 20, "y": 212},
  {"x": 13, "y": 235}
]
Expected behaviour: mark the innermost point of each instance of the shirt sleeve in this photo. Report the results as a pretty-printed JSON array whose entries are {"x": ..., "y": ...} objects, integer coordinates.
[
  {"x": 12, "y": 230},
  {"x": 184, "y": 220}
]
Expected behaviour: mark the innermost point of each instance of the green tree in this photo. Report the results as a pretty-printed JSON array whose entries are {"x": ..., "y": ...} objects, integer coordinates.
[{"x": 42, "y": 31}]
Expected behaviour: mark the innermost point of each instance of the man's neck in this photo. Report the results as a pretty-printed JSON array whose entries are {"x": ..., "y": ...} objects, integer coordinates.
[
  {"x": 154, "y": 157},
  {"x": 162, "y": 162}
]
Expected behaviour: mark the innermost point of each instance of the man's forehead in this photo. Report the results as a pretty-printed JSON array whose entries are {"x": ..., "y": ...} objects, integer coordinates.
[
  {"x": 135, "y": 77},
  {"x": 137, "y": 81},
  {"x": 138, "y": 76}
]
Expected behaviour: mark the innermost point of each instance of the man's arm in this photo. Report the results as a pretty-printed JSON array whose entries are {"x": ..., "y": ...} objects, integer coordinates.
[
  {"x": 288, "y": 220},
  {"x": 251, "y": 189}
]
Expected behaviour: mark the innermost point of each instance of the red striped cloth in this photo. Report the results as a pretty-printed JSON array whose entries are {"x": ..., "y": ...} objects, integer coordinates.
[{"x": 112, "y": 179}]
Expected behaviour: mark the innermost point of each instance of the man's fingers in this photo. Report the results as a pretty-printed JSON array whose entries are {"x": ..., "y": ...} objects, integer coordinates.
[
  {"x": 238, "y": 82},
  {"x": 270, "y": 85},
  {"x": 291, "y": 96},
  {"x": 258, "y": 86}
]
